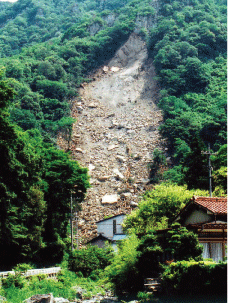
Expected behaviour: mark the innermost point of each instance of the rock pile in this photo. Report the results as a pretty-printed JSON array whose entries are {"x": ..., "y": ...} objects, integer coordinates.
[{"x": 115, "y": 134}]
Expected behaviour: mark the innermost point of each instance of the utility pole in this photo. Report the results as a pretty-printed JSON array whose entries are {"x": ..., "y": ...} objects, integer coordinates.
[
  {"x": 71, "y": 221},
  {"x": 77, "y": 228},
  {"x": 209, "y": 153}
]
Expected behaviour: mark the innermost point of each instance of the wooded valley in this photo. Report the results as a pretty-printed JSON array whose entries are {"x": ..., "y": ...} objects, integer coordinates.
[{"x": 48, "y": 50}]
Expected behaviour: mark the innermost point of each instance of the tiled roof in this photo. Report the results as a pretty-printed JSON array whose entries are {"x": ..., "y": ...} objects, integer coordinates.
[{"x": 216, "y": 205}]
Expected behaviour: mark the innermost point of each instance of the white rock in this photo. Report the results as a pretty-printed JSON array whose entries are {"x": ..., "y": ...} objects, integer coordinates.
[
  {"x": 105, "y": 69},
  {"x": 133, "y": 204},
  {"x": 121, "y": 158},
  {"x": 91, "y": 167},
  {"x": 78, "y": 150},
  {"x": 61, "y": 300},
  {"x": 92, "y": 105},
  {"x": 126, "y": 195},
  {"x": 114, "y": 69},
  {"x": 110, "y": 199},
  {"x": 111, "y": 147},
  {"x": 118, "y": 174}
]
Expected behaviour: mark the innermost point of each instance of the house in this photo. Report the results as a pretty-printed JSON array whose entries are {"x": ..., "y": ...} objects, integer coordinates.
[
  {"x": 109, "y": 230},
  {"x": 207, "y": 217}
]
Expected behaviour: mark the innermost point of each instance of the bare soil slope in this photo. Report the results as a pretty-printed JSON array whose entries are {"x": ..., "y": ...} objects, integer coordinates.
[{"x": 116, "y": 132}]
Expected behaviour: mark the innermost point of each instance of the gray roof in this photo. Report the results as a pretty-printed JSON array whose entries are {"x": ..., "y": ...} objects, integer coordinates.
[{"x": 111, "y": 217}]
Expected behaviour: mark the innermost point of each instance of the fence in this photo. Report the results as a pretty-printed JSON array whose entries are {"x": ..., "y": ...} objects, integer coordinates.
[{"x": 50, "y": 272}]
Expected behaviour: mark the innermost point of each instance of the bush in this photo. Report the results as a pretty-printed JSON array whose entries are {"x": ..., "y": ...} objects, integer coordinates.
[
  {"x": 195, "y": 278},
  {"x": 123, "y": 273},
  {"x": 90, "y": 259}
]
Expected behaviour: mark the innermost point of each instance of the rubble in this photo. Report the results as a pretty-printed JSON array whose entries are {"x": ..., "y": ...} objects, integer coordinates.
[{"x": 112, "y": 139}]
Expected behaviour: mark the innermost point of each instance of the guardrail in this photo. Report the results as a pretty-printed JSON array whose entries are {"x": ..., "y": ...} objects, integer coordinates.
[{"x": 51, "y": 272}]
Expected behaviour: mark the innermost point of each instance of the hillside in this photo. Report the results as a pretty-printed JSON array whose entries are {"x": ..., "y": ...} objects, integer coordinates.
[
  {"x": 133, "y": 90},
  {"x": 116, "y": 133}
]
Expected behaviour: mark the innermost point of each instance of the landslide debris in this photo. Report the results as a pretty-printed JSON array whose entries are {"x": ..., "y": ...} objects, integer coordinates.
[{"x": 116, "y": 133}]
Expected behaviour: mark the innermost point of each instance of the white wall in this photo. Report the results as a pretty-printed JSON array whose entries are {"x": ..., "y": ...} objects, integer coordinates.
[{"x": 106, "y": 227}]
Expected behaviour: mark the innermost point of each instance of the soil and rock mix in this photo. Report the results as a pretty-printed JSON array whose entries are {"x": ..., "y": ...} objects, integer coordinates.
[{"x": 116, "y": 133}]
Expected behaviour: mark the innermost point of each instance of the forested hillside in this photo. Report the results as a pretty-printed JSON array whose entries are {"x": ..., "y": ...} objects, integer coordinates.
[{"x": 48, "y": 49}]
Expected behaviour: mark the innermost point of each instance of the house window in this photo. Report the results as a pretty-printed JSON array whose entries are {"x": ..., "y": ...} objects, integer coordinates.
[
  {"x": 213, "y": 250},
  {"x": 114, "y": 227}
]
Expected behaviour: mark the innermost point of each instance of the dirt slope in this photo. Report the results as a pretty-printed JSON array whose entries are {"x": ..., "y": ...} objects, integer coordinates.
[{"x": 116, "y": 132}]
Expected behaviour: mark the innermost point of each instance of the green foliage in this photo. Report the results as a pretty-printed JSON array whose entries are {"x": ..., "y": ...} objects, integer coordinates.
[
  {"x": 145, "y": 297},
  {"x": 65, "y": 286},
  {"x": 182, "y": 244},
  {"x": 192, "y": 278},
  {"x": 159, "y": 207},
  {"x": 142, "y": 257},
  {"x": 150, "y": 252},
  {"x": 89, "y": 261},
  {"x": 157, "y": 166},
  {"x": 35, "y": 181},
  {"x": 53, "y": 49},
  {"x": 188, "y": 47},
  {"x": 123, "y": 273}
]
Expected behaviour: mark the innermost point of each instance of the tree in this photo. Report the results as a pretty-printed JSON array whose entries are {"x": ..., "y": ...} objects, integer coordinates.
[
  {"x": 182, "y": 244},
  {"x": 36, "y": 181},
  {"x": 159, "y": 207},
  {"x": 123, "y": 273}
]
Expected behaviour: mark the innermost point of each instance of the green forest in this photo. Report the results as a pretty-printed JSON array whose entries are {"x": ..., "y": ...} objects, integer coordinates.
[{"x": 48, "y": 48}]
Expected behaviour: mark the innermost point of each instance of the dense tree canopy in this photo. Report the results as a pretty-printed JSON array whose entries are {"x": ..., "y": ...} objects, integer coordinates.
[
  {"x": 47, "y": 49},
  {"x": 36, "y": 182},
  {"x": 189, "y": 50}
]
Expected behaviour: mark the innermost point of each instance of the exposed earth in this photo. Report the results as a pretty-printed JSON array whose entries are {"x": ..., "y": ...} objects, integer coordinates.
[{"x": 116, "y": 133}]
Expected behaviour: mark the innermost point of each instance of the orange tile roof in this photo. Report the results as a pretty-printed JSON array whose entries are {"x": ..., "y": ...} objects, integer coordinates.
[{"x": 216, "y": 205}]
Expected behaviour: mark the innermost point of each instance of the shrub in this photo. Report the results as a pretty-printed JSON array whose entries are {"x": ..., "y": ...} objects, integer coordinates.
[
  {"x": 123, "y": 272},
  {"x": 89, "y": 259},
  {"x": 182, "y": 244},
  {"x": 194, "y": 278}
]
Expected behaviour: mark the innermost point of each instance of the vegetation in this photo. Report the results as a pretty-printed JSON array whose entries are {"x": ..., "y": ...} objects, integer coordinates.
[
  {"x": 17, "y": 288},
  {"x": 90, "y": 261},
  {"x": 47, "y": 49},
  {"x": 159, "y": 207},
  {"x": 35, "y": 183},
  {"x": 189, "y": 51},
  {"x": 142, "y": 257},
  {"x": 194, "y": 278}
]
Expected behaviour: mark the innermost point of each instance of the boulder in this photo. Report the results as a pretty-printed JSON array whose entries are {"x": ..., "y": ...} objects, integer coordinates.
[
  {"x": 105, "y": 69},
  {"x": 41, "y": 298},
  {"x": 126, "y": 195},
  {"x": 103, "y": 178},
  {"x": 110, "y": 199},
  {"x": 121, "y": 158},
  {"x": 111, "y": 147},
  {"x": 118, "y": 174},
  {"x": 78, "y": 150},
  {"x": 114, "y": 69},
  {"x": 133, "y": 204},
  {"x": 61, "y": 300},
  {"x": 92, "y": 105}
]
